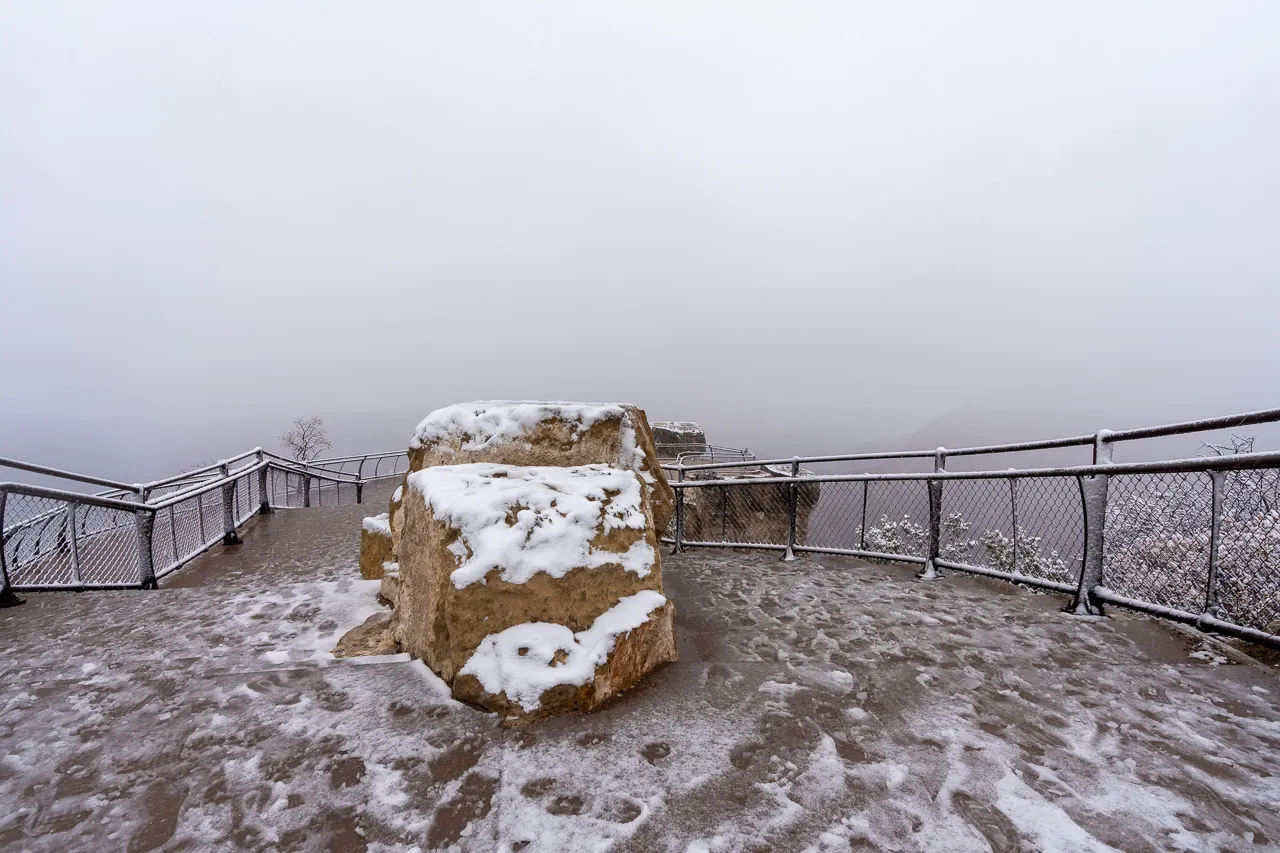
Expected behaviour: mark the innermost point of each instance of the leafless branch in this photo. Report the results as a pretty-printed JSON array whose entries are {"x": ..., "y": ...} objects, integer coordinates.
[{"x": 306, "y": 439}]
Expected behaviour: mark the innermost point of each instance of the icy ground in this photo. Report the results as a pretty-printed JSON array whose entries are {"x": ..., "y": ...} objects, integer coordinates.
[{"x": 820, "y": 705}]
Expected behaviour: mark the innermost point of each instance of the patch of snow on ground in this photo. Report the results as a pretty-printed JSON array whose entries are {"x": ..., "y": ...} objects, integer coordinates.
[{"x": 1033, "y": 730}]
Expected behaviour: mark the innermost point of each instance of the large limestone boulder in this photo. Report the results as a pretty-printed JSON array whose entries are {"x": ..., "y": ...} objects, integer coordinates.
[
  {"x": 561, "y": 562},
  {"x": 556, "y": 434},
  {"x": 671, "y": 438},
  {"x": 375, "y": 546}
]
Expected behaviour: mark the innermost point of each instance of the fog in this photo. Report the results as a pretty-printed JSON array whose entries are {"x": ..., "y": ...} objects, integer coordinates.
[{"x": 813, "y": 227}]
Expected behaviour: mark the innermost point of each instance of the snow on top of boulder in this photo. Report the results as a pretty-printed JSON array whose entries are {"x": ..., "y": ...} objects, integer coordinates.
[
  {"x": 501, "y": 667},
  {"x": 678, "y": 426},
  {"x": 487, "y": 423},
  {"x": 378, "y": 524},
  {"x": 525, "y": 520}
]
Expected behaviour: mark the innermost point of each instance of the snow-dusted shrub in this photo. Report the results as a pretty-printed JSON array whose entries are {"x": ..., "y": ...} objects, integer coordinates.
[
  {"x": 1029, "y": 559},
  {"x": 909, "y": 538}
]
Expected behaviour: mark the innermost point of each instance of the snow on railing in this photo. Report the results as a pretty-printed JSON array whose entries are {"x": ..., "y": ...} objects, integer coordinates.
[
  {"x": 132, "y": 535},
  {"x": 1192, "y": 540}
]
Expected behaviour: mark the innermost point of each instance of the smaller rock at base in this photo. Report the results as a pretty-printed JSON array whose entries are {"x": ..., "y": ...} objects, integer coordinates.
[
  {"x": 375, "y": 546},
  {"x": 375, "y": 636},
  {"x": 389, "y": 592}
]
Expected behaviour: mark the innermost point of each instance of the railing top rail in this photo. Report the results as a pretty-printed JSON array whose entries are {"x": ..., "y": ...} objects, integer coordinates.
[
  {"x": 19, "y": 465},
  {"x": 203, "y": 488},
  {"x": 1235, "y": 462},
  {"x": 70, "y": 497},
  {"x": 1106, "y": 436},
  {"x": 1264, "y": 416},
  {"x": 204, "y": 469},
  {"x": 336, "y": 459},
  {"x": 311, "y": 469},
  {"x": 844, "y": 457}
]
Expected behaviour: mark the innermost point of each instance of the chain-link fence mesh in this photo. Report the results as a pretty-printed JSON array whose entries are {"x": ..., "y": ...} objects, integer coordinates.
[
  {"x": 837, "y": 519},
  {"x": 50, "y": 542},
  {"x": 1157, "y": 536},
  {"x": 737, "y": 512},
  {"x": 897, "y": 519},
  {"x": 1248, "y": 577},
  {"x": 1156, "y": 545},
  {"x": 55, "y": 542}
]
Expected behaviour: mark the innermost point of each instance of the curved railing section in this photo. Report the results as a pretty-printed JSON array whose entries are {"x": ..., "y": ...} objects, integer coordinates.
[
  {"x": 130, "y": 536},
  {"x": 1192, "y": 540}
]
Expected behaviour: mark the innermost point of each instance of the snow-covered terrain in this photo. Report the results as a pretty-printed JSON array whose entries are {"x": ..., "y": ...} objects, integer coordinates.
[{"x": 821, "y": 705}]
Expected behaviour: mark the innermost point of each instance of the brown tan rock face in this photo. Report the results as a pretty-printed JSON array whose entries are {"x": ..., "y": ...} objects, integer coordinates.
[
  {"x": 375, "y": 547},
  {"x": 375, "y": 636},
  {"x": 545, "y": 434},
  {"x": 488, "y": 549},
  {"x": 389, "y": 590},
  {"x": 395, "y": 515},
  {"x": 634, "y": 654},
  {"x": 465, "y": 577}
]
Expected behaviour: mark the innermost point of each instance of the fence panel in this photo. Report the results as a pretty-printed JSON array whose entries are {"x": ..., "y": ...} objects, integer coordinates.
[
  {"x": 1248, "y": 572},
  {"x": 1156, "y": 546}
]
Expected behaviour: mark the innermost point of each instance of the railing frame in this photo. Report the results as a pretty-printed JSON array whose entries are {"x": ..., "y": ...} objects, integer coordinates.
[
  {"x": 139, "y": 502},
  {"x": 1089, "y": 594}
]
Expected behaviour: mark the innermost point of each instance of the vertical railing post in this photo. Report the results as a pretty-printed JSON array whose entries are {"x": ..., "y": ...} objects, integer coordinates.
[
  {"x": 264, "y": 495},
  {"x": 8, "y": 598},
  {"x": 792, "y": 499},
  {"x": 360, "y": 480},
  {"x": 144, "y": 521},
  {"x": 200, "y": 515},
  {"x": 1093, "y": 494},
  {"x": 173, "y": 531},
  {"x": 1218, "y": 481},
  {"x": 1093, "y": 497},
  {"x": 75, "y": 544},
  {"x": 679, "y": 546},
  {"x": 1103, "y": 449},
  {"x": 930, "y": 570},
  {"x": 229, "y": 535},
  {"x": 1013, "y": 511},
  {"x": 862, "y": 529}
]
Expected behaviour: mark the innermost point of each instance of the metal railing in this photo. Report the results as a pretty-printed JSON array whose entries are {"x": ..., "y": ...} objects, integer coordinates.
[
  {"x": 130, "y": 536},
  {"x": 1192, "y": 540}
]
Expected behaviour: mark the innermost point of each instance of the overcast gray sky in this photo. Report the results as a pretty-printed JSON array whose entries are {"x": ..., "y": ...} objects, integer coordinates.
[{"x": 808, "y": 225}]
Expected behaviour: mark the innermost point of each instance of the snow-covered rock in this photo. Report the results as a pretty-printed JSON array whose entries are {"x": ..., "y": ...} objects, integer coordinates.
[
  {"x": 395, "y": 516},
  {"x": 374, "y": 636},
  {"x": 525, "y": 530},
  {"x": 488, "y": 549},
  {"x": 512, "y": 432},
  {"x": 375, "y": 546},
  {"x": 675, "y": 437},
  {"x": 389, "y": 591},
  {"x": 538, "y": 669}
]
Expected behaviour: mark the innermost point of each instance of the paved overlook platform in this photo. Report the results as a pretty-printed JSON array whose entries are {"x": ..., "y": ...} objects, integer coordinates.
[{"x": 820, "y": 705}]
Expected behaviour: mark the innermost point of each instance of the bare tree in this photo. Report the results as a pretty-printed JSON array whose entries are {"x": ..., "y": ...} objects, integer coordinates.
[{"x": 306, "y": 439}]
